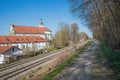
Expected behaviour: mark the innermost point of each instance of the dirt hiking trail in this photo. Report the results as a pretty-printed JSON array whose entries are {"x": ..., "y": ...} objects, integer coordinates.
[{"x": 90, "y": 65}]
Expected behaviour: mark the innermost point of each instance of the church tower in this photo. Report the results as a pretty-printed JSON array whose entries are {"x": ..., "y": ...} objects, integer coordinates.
[{"x": 41, "y": 23}]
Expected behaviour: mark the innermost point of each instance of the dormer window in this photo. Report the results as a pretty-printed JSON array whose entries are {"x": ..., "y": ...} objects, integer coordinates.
[
  {"x": 27, "y": 39},
  {"x": 7, "y": 40},
  {"x": 17, "y": 39},
  {"x": 23, "y": 39},
  {"x": 38, "y": 39}
]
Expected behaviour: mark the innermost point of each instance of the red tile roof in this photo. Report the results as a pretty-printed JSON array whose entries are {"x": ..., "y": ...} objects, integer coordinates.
[
  {"x": 4, "y": 49},
  {"x": 21, "y": 39},
  {"x": 30, "y": 29}
]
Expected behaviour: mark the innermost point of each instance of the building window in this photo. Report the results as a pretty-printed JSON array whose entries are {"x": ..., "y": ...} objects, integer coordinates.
[
  {"x": 23, "y": 46},
  {"x": 13, "y": 49},
  {"x": 18, "y": 46}
]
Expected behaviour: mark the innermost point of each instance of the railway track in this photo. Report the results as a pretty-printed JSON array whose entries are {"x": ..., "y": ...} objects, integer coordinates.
[
  {"x": 11, "y": 71},
  {"x": 16, "y": 63},
  {"x": 8, "y": 75},
  {"x": 20, "y": 62},
  {"x": 5, "y": 67},
  {"x": 16, "y": 68}
]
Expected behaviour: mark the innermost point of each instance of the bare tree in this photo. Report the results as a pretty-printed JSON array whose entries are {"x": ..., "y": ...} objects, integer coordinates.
[
  {"x": 102, "y": 16},
  {"x": 61, "y": 37},
  {"x": 66, "y": 34},
  {"x": 74, "y": 32},
  {"x": 83, "y": 36}
]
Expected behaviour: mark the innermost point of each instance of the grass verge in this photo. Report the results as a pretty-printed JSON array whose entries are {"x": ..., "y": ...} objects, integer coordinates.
[
  {"x": 61, "y": 66},
  {"x": 113, "y": 58}
]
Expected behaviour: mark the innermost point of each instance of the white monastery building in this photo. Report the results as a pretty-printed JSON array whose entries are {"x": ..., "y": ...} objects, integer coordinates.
[
  {"x": 27, "y": 37},
  {"x": 24, "y": 39},
  {"x": 20, "y": 30},
  {"x": 24, "y": 42}
]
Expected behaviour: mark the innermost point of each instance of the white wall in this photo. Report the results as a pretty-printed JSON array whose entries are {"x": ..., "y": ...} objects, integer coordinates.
[
  {"x": 20, "y": 45},
  {"x": 41, "y": 35},
  {"x": 2, "y": 59},
  {"x": 10, "y": 52},
  {"x": 11, "y": 29},
  {"x": 3, "y": 44},
  {"x": 48, "y": 34}
]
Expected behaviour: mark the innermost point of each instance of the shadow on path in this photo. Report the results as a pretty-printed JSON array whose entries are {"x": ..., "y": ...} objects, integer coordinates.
[{"x": 90, "y": 65}]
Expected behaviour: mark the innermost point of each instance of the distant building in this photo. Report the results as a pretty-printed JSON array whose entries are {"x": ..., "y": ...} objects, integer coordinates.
[
  {"x": 20, "y": 30},
  {"x": 24, "y": 42},
  {"x": 8, "y": 51},
  {"x": 27, "y": 38}
]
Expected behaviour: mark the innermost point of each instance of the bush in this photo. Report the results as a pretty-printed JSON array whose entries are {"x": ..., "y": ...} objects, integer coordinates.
[
  {"x": 112, "y": 56},
  {"x": 39, "y": 52},
  {"x": 52, "y": 49}
]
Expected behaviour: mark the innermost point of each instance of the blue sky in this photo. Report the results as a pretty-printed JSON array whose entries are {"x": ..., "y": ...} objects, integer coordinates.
[{"x": 29, "y": 12}]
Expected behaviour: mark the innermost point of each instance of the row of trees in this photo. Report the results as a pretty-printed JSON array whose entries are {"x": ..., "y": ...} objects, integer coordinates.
[
  {"x": 103, "y": 18},
  {"x": 68, "y": 35}
]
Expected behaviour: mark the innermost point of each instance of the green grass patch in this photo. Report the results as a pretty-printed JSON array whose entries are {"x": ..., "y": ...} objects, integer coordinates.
[
  {"x": 112, "y": 56},
  {"x": 52, "y": 49},
  {"x": 61, "y": 66}
]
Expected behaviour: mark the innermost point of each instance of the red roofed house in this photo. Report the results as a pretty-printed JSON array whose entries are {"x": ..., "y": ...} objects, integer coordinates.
[
  {"x": 24, "y": 42},
  {"x": 40, "y": 30},
  {"x": 7, "y": 51},
  {"x": 18, "y": 45}
]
